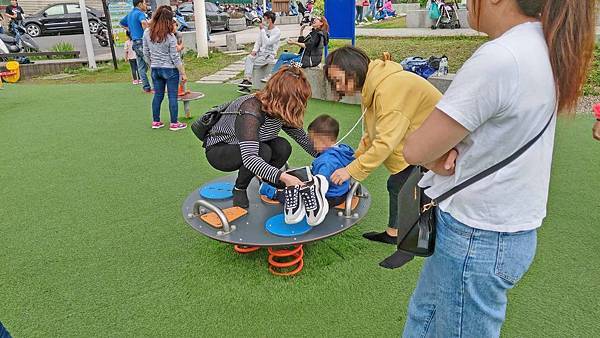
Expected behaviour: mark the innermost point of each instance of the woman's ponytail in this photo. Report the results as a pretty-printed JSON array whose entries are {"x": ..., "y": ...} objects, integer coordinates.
[{"x": 570, "y": 31}]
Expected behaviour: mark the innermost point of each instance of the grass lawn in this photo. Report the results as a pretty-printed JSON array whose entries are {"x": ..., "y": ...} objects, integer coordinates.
[
  {"x": 398, "y": 22},
  {"x": 93, "y": 243},
  {"x": 195, "y": 68}
]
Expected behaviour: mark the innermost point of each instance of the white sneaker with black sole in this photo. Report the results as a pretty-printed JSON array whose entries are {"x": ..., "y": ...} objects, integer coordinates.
[
  {"x": 314, "y": 200},
  {"x": 245, "y": 84},
  {"x": 293, "y": 208}
]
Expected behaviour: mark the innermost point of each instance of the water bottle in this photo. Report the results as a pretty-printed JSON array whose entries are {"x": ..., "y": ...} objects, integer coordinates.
[{"x": 443, "y": 71}]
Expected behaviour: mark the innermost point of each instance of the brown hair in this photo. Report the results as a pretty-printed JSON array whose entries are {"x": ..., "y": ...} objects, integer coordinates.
[
  {"x": 569, "y": 29},
  {"x": 285, "y": 96},
  {"x": 353, "y": 61},
  {"x": 325, "y": 27},
  {"x": 325, "y": 125},
  {"x": 162, "y": 24}
]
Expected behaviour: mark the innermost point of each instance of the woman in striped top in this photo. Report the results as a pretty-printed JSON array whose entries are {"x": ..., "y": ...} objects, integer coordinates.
[
  {"x": 160, "y": 52},
  {"x": 249, "y": 141}
]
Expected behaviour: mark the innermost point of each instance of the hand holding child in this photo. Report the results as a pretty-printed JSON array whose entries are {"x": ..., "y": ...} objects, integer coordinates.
[{"x": 340, "y": 176}]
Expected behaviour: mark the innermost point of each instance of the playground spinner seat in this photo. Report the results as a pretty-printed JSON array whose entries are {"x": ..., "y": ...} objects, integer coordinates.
[{"x": 247, "y": 230}]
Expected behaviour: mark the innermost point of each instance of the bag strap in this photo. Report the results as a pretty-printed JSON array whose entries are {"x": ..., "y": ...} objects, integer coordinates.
[{"x": 492, "y": 169}]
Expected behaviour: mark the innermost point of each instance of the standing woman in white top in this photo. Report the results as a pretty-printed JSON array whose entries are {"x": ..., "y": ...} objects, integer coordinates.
[{"x": 533, "y": 67}]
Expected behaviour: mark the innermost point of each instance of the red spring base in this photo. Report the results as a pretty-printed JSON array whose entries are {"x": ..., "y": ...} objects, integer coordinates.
[
  {"x": 245, "y": 249},
  {"x": 286, "y": 262}
]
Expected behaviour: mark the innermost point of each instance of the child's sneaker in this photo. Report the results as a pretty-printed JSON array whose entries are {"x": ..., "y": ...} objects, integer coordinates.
[
  {"x": 156, "y": 125},
  {"x": 177, "y": 126},
  {"x": 134, "y": 82},
  {"x": 314, "y": 200},
  {"x": 293, "y": 209},
  {"x": 267, "y": 190}
]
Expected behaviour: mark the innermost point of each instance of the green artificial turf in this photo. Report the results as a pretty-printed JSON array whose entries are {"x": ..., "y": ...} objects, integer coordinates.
[{"x": 93, "y": 243}]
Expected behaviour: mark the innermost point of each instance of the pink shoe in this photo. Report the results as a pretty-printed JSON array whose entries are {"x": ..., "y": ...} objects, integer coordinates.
[
  {"x": 156, "y": 125},
  {"x": 134, "y": 82},
  {"x": 177, "y": 126}
]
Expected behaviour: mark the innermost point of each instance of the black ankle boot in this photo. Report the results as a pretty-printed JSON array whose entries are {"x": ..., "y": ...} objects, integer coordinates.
[{"x": 240, "y": 198}]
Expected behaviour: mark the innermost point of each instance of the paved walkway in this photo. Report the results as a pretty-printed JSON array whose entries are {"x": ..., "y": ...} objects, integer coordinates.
[{"x": 225, "y": 74}]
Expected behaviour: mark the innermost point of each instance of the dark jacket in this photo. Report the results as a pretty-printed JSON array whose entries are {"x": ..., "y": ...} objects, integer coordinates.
[
  {"x": 312, "y": 54},
  {"x": 331, "y": 160}
]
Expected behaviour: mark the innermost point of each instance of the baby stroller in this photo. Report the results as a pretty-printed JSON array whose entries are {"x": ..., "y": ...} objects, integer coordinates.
[{"x": 445, "y": 14}]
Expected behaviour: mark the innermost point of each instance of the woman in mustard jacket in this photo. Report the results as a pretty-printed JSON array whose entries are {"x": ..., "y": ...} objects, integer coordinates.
[{"x": 395, "y": 103}]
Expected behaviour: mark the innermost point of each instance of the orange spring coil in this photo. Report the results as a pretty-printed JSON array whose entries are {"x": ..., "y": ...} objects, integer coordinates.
[
  {"x": 280, "y": 262},
  {"x": 245, "y": 249}
]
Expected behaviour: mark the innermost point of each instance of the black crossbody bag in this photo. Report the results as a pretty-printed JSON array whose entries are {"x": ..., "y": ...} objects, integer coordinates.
[{"x": 417, "y": 222}]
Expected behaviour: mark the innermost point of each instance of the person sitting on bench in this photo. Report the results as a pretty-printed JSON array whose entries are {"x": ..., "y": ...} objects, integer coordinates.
[
  {"x": 264, "y": 51},
  {"x": 311, "y": 46}
]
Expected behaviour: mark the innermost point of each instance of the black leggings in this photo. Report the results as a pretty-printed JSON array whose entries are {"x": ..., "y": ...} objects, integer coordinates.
[
  {"x": 134, "y": 69},
  {"x": 227, "y": 157},
  {"x": 394, "y": 185}
]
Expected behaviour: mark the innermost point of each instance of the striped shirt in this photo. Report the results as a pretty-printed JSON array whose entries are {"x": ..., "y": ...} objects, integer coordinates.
[
  {"x": 161, "y": 54},
  {"x": 248, "y": 129}
]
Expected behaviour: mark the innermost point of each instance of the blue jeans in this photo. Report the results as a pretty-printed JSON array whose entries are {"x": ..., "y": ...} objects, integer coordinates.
[
  {"x": 462, "y": 288},
  {"x": 372, "y": 9},
  {"x": 138, "y": 48},
  {"x": 162, "y": 77},
  {"x": 286, "y": 59}
]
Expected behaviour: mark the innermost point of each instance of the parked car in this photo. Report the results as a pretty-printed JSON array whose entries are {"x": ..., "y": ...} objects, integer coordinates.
[
  {"x": 215, "y": 17},
  {"x": 62, "y": 18}
]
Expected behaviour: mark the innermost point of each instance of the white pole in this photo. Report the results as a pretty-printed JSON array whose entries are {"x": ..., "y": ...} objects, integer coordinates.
[
  {"x": 264, "y": 6},
  {"x": 200, "y": 23},
  {"x": 89, "y": 48}
]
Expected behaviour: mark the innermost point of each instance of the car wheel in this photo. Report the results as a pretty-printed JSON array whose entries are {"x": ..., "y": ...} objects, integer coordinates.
[
  {"x": 34, "y": 30},
  {"x": 94, "y": 25},
  {"x": 208, "y": 27},
  {"x": 227, "y": 25}
]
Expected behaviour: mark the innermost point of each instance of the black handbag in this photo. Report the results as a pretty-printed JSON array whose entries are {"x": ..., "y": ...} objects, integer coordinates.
[
  {"x": 202, "y": 126},
  {"x": 417, "y": 220}
]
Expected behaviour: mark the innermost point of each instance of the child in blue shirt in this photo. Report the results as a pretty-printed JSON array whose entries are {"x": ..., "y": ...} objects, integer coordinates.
[{"x": 323, "y": 132}]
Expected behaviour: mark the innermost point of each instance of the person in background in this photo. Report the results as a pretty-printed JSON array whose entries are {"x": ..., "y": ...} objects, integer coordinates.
[
  {"x": 160, "y": 49},
  {"x": 359, "y": 11},
  {"x": 135, "y": 22},
  {"x": 372, "y": 9},
  {"x": 264, "y": 51},
  {"x": 388, "y": 9},
  {"x": 1, "y": 23},
  {"x": 15, "y": 13},
  {"x": 132, "y": 59},
  {"x": 312, "y": 45},
  {"x": 309, "y": 6}
]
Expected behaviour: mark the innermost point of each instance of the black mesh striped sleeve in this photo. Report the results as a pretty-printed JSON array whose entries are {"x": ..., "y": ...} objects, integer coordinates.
[
  {"x": 247, "y": 127},
  {"x": 300, "y": 136}
]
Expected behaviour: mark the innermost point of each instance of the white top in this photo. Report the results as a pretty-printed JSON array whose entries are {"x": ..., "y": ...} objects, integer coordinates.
[
  {"x": 504, "y": 95},
  {"x": 268, "y": 42}
]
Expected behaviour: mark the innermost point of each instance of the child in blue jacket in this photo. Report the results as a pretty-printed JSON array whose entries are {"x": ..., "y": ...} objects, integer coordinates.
[{"x": 323, "y": 132}]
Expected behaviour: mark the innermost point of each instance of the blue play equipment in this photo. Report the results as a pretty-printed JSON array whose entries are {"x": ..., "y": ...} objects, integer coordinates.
[
  {"x": 341, "y": 15},
  {"x": 217, "y": 191},
  {"x": 278, "y": 227}
]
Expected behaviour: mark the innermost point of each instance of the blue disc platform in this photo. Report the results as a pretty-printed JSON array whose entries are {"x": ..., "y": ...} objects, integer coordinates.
[
  {"x": 250, "y": 229},
  {"x": 278, "y": 227},
  {"x": 217, "y": 191}
]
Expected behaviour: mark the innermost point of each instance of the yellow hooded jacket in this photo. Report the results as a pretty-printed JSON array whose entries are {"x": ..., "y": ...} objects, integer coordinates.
[{"x": 396, "y": 103}]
